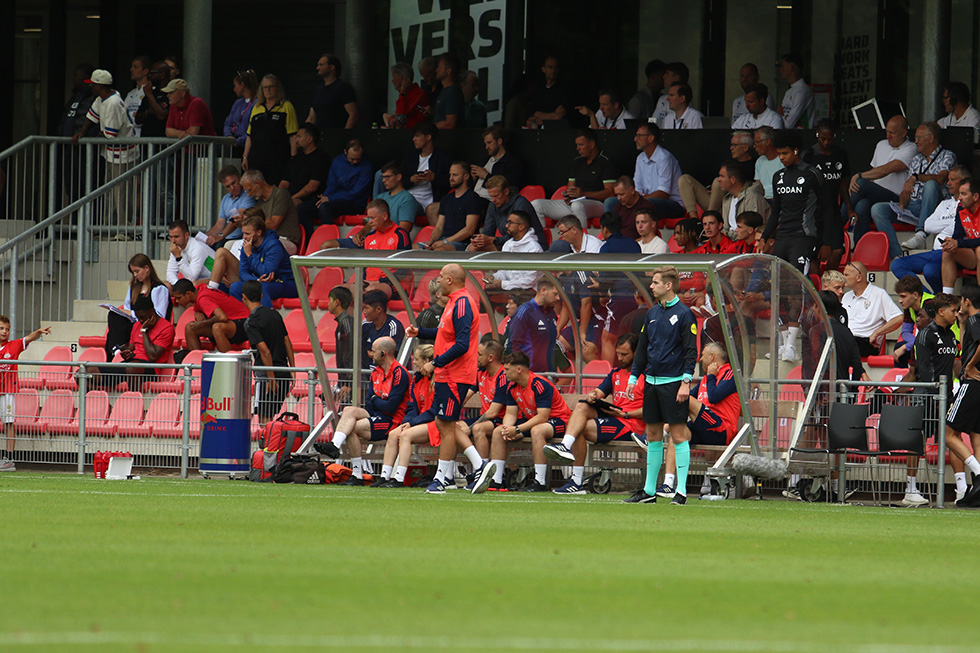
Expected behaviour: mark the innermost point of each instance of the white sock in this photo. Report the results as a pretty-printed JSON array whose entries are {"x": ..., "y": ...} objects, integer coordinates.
[
  {"x": 910, "y": 487},
  {"x": 357, "y": 464},
  {"x": 445, "y": 470},
  {"x": 577, "y": 474},
  {"x": 974, "y": 466},
  {"x": 960, "y": 481},
  {"x": 568, "y": 441},
  {"x": 919, "y": 232},
  {"x": 669, "y": 479},
  {"x": 540, "y": 473},
  {"x": 213, "y": 285},
  {"x": 948, "y": 290},
  {"x": 400, "y": 473},
  {"x": 498, "y": 474},
  {"x": 473, "y": 456},
  {"x": 339, "y": 438},
  {"x": 791, "y": 333},
  {"x": 794, "y": 479},
  {"x": 386, "y": 471}
]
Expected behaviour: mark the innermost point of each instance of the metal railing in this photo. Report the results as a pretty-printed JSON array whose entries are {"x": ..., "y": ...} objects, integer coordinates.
[{"x": 74, "y": 219}]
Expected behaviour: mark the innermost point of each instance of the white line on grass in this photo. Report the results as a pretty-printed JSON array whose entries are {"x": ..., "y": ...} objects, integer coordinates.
[{"x": 428, "y": 642}]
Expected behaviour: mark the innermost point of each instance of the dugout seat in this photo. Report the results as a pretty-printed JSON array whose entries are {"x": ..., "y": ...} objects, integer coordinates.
[{"x": 847, "y": 435}]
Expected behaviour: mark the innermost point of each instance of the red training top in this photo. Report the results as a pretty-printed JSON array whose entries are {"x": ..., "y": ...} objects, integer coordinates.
[
  {"x": 457, "y": 340},
  {"x": 392, "y": 238},
  {"x": 208, "y": 300},
  {"x": 491, "y": 388},
  {"x": 539, "y": 393},
  {"x": 161, "y": 334},
  {"x": 10, "y": 350}
]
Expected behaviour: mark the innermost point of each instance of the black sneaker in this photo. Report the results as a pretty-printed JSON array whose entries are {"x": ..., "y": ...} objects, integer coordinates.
[
  {"x": 972, "y": 497},
  {"x": 328, "y": 449},
  {"x": 497, "y": 487},
  {"x": 353, "y": 480},
  {"x": 535, "y": 487},
  {"x": 679, "y": 500},
  {"x": 640, "y": 497},
  {"x": 392, "y": 483},
  {"x": 379, "y": 482}
]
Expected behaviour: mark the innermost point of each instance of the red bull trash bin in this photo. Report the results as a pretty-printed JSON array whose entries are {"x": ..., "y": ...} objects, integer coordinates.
[{"x": 226, "y": 406}]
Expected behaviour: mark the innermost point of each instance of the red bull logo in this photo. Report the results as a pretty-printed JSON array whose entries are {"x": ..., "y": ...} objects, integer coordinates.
[
  {"x": 208, "y": 419},
  {"x": 209, "y": 403}
]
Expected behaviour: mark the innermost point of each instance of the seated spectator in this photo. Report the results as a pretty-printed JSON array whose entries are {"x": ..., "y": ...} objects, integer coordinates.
[
  {"x": 306, "y": 175},
  {"x": 227, "y": 259},
  {"x": 833, "y": 165},
  {"x": 629, "y": 204},
  {"x": 501, "y": 162},
  {"x": 413, "y": 104},
  {"x": 518, "y": 108},
  {"x": 798, "y": 108},
  {"x": 189, "y": 257},
  {"x": 687, "y": 236},
  {"x": 768, "y": 163},
  {"x": 748, "y": 76},
  {"x": 715, "y": 240},
  {"x": 834, "y": 281},
  {"x": 218, "y": 316},
  {"x": 270, "y": 132},
  {"x": 427, "y": 171},
  {"x": 549, "y": 101},
  {"x": 694, "y": 194},
  {"x": 348, "y": 184},
  {"x": 871, "y": 313},
  {"x": 748, "y": 230},
  {"x": 657, "y": 172},
  {"x": 265, "y": 260},
  {"x": 189, "y": 115},
  {"x": 590, "y": 183},
  {"x": 151, "y": 341},
  {"x": 271, "y": 347},
  {"x": 378, "y": 323},
  {"x": 503, "y": 201},
  {"x": 646, "y": 228},
  {"x": 739, "y": 195},
  {"x": 643, "y": 103},
  {"x": 449, "y": 106},
  {"x": 384, "y": 409},
  {"x": 383, "y": 234},
  {"x": 459, "y": 213},
  {"x": 963, "y": 249},
  {"x": 682, "y": 115},
  {"x": 922, "y": 191},
  {"x": 959, "y": 111},
  {"x": 246, "y": 87},
  {"x": 401, "y": 203},
  {"x": 534, "y": 327},
  {"x": 940, "y": 224},
  {"x": 474, "y": 111},
  {"x": 885, "y": 179},
  {"x": 230, "y": 212},
  {"x": 758, "y": 110},
  {"x": 676, "y": 72},
  {"x": 570, "y": 231},
  {"x": 617, "y": 418},
  {"x": 278, "y": 208},
  {"x": 335, "y": 103},
  {"x": 611, "y": 114},
  {"x": 521, "y": 240},
  {"x": 144, "y": 282},
  {"x": 535, "y": 407}
]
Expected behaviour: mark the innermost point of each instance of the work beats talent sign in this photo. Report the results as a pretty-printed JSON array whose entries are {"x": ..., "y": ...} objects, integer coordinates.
[{"x": 420, "y": 28}]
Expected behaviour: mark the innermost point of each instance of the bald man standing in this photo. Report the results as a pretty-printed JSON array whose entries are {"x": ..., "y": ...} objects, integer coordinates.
[
  {"x": 871, "y": 313},
  {"x": 454, "y": 372}
]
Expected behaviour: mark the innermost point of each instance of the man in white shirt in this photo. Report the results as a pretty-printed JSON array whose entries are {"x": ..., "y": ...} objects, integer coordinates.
[
  {"x": 138, "y": 72},
  {"x": 941, "y": 223},
  {"x": 646, "y": 226},
  {"x": 570, "y": 231},
  {"x": 611, "y": 114},
  {"x": 676, "y": 73},
  {"x": 657, "y": 173},
  {"x": 768, "y": 162},
  {"x": 521, "y": 240},
  {"x": 682, "y": 115},
  {"x": 871, "y": 313},
  {"x": 888, "y": 173},
  {"x": 758, "y": 113},
  {"x": 798, "y": 107},
  {"x": 959, "y": 111},
  {"x": 748, "y": 75},
  {"x": 190, "y": 258}
]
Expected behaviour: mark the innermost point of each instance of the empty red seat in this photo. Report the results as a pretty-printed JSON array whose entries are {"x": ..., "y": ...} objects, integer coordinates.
[
  {"x": 299, "y": 335},
  {"x": 26, "y": 407},
  {"x": 163, "y": 417},
  {"x": 532, "y": 193},
  {"x": 326, "y": 332},
  {"x": 322, "y": 234},
  {"x": 595, "y": 367},
  {"x": 325, "y": 280},
  {"x": 301, "y": 387},
  {"x": 58, "y": 410},
  {"x": 872, "y": 250},
  {"x": 96, "y": 414},
  {"x": 52, "y": 377},
  {"x": 91, "y": 341},
  {"x": 420, "y": 298},
  {"x": 126, "y": 417},
  {"x": 352, "y": 220}
]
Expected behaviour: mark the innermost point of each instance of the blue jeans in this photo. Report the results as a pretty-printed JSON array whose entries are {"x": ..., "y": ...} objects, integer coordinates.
[
  {"x": 883, "y": 215},
  {"x": 928, "y": 264},
  {"x": 868, "y": 194}
]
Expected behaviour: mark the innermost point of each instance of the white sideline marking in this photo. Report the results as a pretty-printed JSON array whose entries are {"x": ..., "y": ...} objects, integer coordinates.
[{"x": 428, "y": 642}]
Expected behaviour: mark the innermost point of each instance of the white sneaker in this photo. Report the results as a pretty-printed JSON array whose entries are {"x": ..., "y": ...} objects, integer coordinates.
[
  {"x": 6, "y": 465},
  {"x": 914, "y": 499},
  {"x": 788, "y": 352},
  {"x": 918, "y": 241},
  {"x": 959, "y": 495}
]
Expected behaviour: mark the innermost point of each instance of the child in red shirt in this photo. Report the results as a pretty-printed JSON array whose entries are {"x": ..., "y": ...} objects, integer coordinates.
[{"x": 11, "y": 350}]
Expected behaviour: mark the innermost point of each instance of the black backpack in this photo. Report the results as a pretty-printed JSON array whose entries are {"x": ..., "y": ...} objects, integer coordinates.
[{"x": 300, "y": 468}]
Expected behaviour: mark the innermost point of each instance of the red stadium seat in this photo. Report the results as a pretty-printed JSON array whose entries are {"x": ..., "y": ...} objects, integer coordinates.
[
  {"x": 325, "y": 280},
  {"x": 96, "y": 414},
  {"x": 423, "y": 235},
  {"x": 92, "y": 341},
  {"x": 302, "y": 241},
  {"x": 58, "y": 410},
  {"x": 326, "y": 331},
  {"x": 293, "y": 301},
  {"x": 595, "y": 367},
  {"x": 185, "y": 318},
  {"x": 300, "y": 387},
  {"x": 26, "y": 407},
  {"x": 351, "y": 220},
  {"x": 557, "y": 195},
  {"x": 355, "y": 230},
  {"x": 502, "y": 325},
  {"x": 163, "y": 416},
  {"x": 126, "y": 417},
  {"x": 302, "y": 408},
  {"x": 402, "y": 316},
  {"x": 484, "y": 326},
  {"x": 421, "y": 297},
  {"x": 322, "y": 234},
  {"x": 881, "y": 361},
  {"x": 872, "y": 250},
  {"x": 296, "y": 328},
  {"x": 532, "y": 193},
  {"x": 331, "y": 363},
  {"x": 52, "y": 377}
]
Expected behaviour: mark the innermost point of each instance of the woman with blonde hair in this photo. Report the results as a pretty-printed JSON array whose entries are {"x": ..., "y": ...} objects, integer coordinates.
[{"x": 272, "y": 125}]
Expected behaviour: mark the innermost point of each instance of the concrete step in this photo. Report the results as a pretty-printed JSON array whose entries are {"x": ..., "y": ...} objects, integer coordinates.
[
  {"x": 88, "y": 310},
  {"x": 69, "y": 332}
]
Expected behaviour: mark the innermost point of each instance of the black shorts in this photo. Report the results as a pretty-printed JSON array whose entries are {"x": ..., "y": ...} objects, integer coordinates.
[
  {"x": 495, "y": 421},
  {"x": 448, "y": 400},
  {"x": 707, "y": 428},
  {"x": 964, "y": 413},
  {"x": 239, "y": 335},
  {"x": 608, "y": 429},
  {"x": 380, "y": 425},
  {"x": 795, "y": 250},
  {"x": 660, "y": 405},
  {"x": 833, "y": 231},
  {"x": 559, "y": 427}
]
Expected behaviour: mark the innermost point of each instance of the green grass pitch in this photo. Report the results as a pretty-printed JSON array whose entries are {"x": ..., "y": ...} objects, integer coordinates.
[{"x": 170, "y": 565}]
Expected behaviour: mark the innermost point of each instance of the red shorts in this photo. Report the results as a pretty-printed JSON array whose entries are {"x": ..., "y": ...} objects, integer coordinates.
[{"x": 435, "y": 438}]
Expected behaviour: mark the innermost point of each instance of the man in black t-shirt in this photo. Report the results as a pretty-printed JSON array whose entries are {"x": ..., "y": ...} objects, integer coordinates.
[
  {"x": 550, "y": 100},
  {"x": 153, "y": 111},
  {"x": 591, "y": 181},
  {"x": 271, "y": 347},
  {"x": 334, "y": 103},
  {"x": 459, "y": 213},
  {"x": 306, "y": 175},
  {"x": 832, "y": 164}
]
